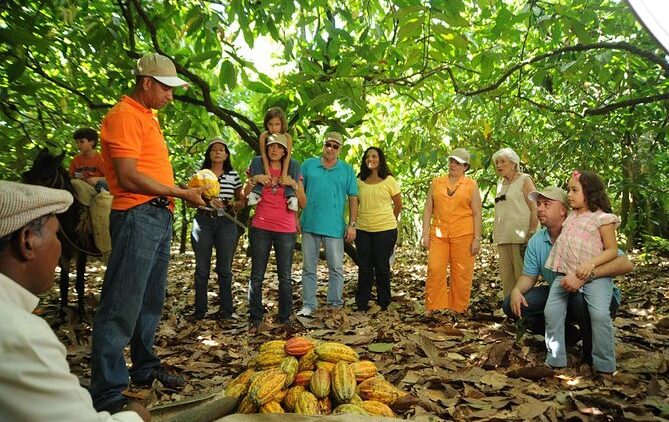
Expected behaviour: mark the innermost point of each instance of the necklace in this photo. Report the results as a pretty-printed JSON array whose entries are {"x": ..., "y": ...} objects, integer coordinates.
[{"x": 451, "y": 192}]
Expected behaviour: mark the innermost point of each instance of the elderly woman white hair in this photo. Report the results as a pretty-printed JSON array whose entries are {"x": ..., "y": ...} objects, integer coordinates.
[{"x": 515, "y": 216}]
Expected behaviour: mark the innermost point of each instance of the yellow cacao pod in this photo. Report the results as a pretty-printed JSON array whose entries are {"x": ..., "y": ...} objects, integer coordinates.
[
  {"x": 349, "y": 408},
  {"x": 275, "y": 346},
  {"x": 208, "y": 179},
  {"x": 271, "y": 407},
  {"x": 363, "y": 370},
  {"x": 355, "y": 399},
  {"x": 308, "y": 361},
  {"x": 377, "y": 408},
  {"x": 303, "y": 378},
  {"x": 334, "y": 352},
  {"x": 236, "y": 390},
  {"x": 343, "y": 382},
  {"x": 269, "y": 359},
  {"x": 244, "y": 377},
  {"x": 328, "y": 366},
  {"x": 280, "y": 396},
  {"x": 320, "y": 383},
  {"x": 306, "y": 404},
  {"x": 291, "y": 397},
  {"x": 377, "y": 389},
  {"x": 298, "y": 346},
  {"x": 265, "y": 386},
  {"x": 247, "y": 406},
  {"x": 289, "y": 367}
]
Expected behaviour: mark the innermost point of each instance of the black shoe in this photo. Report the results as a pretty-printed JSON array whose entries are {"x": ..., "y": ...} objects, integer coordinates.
[
  {"x": 198, "y": 316},
  {"x": 115, "y": 406},
  {"x": 254, "y": 327},
  {"x": 167, "y": 378}
]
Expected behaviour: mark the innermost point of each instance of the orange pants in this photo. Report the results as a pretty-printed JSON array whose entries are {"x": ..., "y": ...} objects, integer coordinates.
[{"x": 442, "y": 291}]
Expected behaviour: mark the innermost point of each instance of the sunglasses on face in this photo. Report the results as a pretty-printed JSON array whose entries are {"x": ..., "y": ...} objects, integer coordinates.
[
  {"x": 500, "y": 198},
  {"x": 331, "y": 145}
]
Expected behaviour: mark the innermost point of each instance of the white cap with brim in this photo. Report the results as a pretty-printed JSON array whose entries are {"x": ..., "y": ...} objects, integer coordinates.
[
  {"x": 460, "y": 155},
  {"x": 159, "y": 68},
  {"x": 21, "y": 203},
  {"x": 551, "y": 192}
]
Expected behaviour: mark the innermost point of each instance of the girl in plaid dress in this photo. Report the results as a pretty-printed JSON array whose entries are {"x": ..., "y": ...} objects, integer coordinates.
[{"x": 587, "y": 240}]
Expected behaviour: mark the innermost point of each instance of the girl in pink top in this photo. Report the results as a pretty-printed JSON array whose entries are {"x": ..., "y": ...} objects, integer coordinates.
[{"x": 587, "y": 240}]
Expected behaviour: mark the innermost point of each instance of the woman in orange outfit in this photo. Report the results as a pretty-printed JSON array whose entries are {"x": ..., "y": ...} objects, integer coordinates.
[{"x": 452, "y": 235}]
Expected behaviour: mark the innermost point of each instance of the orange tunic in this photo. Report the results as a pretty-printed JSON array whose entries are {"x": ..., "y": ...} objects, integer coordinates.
[{"x": 451, "y": 237}]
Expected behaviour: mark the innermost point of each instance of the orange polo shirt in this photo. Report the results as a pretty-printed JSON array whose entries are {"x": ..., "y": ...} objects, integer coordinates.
[{"x": 130, "y": 130}]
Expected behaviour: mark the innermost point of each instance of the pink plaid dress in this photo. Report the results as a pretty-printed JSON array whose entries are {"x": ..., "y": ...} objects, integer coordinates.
[{"x": 579, "y": 240}]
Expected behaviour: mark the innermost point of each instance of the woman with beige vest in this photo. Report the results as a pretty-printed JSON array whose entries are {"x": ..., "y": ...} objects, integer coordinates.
[{"x": 515, "y": 216}]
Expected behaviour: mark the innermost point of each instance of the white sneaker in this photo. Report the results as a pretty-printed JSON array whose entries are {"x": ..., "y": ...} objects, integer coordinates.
[
  {"x": 253, "y": 198},
  {"x": 292, "y": 203},
  {"x": 305, "y": 311}
]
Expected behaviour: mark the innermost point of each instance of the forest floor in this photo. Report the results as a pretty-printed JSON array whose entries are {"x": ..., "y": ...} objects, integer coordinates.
[{"x": 461, "y": 367}]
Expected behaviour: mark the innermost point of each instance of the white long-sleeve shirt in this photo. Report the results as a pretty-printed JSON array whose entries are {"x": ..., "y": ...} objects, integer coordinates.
[{"x": 35, "y": 379}]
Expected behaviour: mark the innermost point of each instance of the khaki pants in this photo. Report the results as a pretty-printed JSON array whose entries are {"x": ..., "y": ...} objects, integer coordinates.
[
  {"x": 510, "y": 265},
  {"x": 444, "y": 291}
]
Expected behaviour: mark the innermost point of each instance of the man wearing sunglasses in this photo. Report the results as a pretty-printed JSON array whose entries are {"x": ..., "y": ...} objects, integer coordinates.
[{"x": 328, "y": 182}]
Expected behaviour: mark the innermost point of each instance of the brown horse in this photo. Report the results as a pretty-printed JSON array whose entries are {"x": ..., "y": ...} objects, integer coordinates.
[{"x": 47, "y": 170}]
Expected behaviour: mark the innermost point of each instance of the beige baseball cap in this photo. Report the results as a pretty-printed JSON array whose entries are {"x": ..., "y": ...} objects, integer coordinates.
[
  {"x": 551, "y": 192},
  {"x": 278, "y": 138},
  {"x": 460, "y": 155},
  {"x": 159, "y": 68},
  {"x": 334, "y": 136},
  {"x": 21, "y": 203}
]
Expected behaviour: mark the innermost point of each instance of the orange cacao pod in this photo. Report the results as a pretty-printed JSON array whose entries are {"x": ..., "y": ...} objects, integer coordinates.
[
  {"x": 308, "y": 361},
  {"x": 363, "y": 369},
  {"x": 334, "y": 352},
  {"x": 306, "y": 404},
  {"x": 247, "y": 406},
  {"x": 244, "y": 377},
  {"x": 343, "y": 382},
  {"x": 298, "y": 346},
  {"x": 291, "y": 397},
  {"x": 271, "y": 407},
  {"x": 377, "y": 408},
  {"x": 320, "y": 383},
  {"x": 349, "y": 408},
  {"x": 303, "y": 378},
  {"x": 325, "y": 406},
  {"x": 264, "y": 387},
  {"x": 377, "y": 389}
]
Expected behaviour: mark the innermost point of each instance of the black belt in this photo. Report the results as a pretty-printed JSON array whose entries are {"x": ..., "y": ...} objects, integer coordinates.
[
  {"x": 160, "y": 202},
  {"x": 209, "y": 213}
]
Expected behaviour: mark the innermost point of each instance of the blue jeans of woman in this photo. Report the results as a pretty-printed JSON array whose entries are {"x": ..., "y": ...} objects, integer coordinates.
[
  {"x": 284, "y": 245},
  {"x": 213, "y": 232},
  {"x": 597, "y": 294},
  {"x": 131, "y": 302},
  {"x": 374, "y": 250}
]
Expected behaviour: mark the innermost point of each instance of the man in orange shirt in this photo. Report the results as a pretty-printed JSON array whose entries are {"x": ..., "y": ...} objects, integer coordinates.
[{"x": 141, "y": 180}]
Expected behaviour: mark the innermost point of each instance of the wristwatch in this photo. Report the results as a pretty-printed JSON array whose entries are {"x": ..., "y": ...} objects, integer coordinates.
[{"x": 353, "y": 224}]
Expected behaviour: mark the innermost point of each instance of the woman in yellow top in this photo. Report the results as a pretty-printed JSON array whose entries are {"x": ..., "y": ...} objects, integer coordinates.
[
  {"x": 515, "y": 216},
  {"x": 379, "y": 204},
  {"x": 452, "y": 235}
]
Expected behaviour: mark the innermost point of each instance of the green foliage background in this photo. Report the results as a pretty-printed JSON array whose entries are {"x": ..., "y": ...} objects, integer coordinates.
[{"x": 567, "y": 84}]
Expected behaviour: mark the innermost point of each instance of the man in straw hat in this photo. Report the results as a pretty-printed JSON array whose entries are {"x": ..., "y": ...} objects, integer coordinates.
[
  {"x": 35, "y": 379},
  {"x": 141, "y": 180},
  {"x": 527, "y": 299}
]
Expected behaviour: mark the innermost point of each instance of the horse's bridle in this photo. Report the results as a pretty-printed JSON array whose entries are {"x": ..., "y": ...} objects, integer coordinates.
[{"x": 59, "y": 177}]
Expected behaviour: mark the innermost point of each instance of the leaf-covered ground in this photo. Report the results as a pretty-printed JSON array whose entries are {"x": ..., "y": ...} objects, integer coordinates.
[{"x": 461, "y": 367}]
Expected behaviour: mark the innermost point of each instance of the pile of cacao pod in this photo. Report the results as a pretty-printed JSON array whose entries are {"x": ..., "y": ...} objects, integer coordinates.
[
  {"x": 312, "y": 378},
  {"x": 207, "y": 178}
]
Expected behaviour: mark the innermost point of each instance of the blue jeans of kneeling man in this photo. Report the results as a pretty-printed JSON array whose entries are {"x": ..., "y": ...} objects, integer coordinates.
[
  {"x": 131, "y": 302},
  {"x": 261, "y": 244},
  {"x": 334, "y": 254},
  {"x": 597, "y": 294}
]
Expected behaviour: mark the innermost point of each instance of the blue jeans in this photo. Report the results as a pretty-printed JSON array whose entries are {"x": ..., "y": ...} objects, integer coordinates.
[
  {"x": 374, "y": 250},
  {"x": 213, "y": 232},
  {"x": 577, "y": 322},
  {"x": 597, "y": 294},
  {"x": 131, "y": 302},
  {"x": 334, "y": 254},
  {"x": 261, "y": 243},
  {"x": 256, "y": 168}
]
